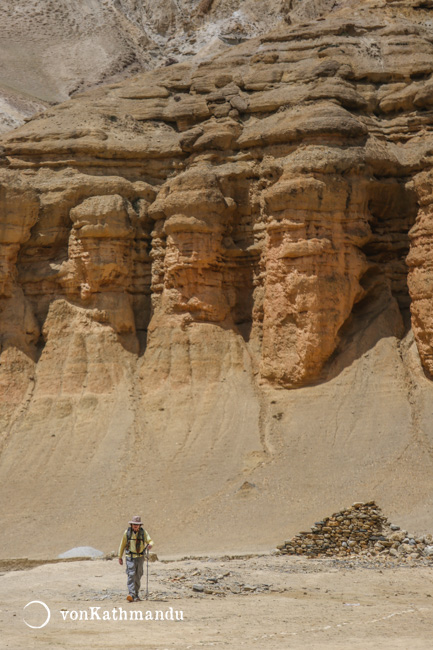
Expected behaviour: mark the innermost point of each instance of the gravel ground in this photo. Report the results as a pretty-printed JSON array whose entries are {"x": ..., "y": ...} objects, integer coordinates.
[{"x": 252, "y": 602}]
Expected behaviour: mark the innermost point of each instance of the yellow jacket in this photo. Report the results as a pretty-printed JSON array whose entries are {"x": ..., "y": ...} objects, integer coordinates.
[{"x": 133, "y": 546}]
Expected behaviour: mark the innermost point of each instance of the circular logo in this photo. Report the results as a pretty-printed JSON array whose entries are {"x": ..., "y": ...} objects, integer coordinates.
[{"x": 39, "y": 602}]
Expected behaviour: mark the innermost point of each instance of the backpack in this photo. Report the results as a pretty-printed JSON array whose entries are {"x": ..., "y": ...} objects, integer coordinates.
[{"x": 138, "y": 541}]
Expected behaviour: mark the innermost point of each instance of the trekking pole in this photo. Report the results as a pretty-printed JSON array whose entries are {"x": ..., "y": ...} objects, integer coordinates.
[{"x": 147, "y": 573}]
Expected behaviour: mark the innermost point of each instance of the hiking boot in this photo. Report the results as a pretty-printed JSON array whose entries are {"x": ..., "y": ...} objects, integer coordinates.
[
  {"x": 130, "y": 599},
  {"x": 137, "y": 598}
]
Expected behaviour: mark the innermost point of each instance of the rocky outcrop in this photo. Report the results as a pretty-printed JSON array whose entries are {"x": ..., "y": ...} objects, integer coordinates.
[
  {"x": 200, "y": 238},
  {"x": 316, "y": 228},
  {"x": 111, "y": 40},
  {"x": 257, "y": 191},
  {"x": 114, "y": 39},
  {"x": 420, "y": 263}
]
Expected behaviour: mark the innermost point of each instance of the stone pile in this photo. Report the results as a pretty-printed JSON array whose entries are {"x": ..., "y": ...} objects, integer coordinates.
[{"x": 360, "y": 529}]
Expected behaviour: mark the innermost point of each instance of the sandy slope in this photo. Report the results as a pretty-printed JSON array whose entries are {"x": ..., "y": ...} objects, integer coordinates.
[{"x": 366, "y": 434}]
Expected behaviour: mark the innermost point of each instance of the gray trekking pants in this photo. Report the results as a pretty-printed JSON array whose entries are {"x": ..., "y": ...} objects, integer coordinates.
[{"x": 134, "y": 571}]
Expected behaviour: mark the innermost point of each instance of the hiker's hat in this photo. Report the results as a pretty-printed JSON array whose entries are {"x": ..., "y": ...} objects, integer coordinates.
[{"x": 136, "y": 520}]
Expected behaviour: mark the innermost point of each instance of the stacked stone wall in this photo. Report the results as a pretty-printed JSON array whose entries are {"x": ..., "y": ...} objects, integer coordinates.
[{"x": 360, "y": 529}]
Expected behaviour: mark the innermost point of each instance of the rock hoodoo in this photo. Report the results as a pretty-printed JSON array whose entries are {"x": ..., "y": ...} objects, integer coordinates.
[{"x": 256, "y": 191}]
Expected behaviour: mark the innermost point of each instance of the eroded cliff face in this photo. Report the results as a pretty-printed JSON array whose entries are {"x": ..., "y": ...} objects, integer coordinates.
[
  {"x": 420, "y": 278},
  {"x": 238, "y": 220},
  {"x": 267, "y": 192},
  {"x": 53, "y": 48}
]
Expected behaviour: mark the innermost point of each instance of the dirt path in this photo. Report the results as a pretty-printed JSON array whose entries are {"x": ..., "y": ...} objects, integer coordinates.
[{"x": 263, "y": 602}]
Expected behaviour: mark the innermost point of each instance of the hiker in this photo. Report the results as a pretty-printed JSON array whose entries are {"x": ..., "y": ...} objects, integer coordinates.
[{"x": 135, "y": 542}]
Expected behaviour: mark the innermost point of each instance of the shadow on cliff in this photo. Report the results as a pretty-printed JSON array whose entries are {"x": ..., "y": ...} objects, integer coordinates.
[
  {"x": 384, "y": 311},
  {"x": 375, "y": 317}
]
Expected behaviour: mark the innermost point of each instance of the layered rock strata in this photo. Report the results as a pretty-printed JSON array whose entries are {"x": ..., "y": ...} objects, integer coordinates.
[
  {"x": 55, "y": 48},
  {"x": 179, "y": 249},
  {"x": 269, "y": 191},
  {"x": 360, "y": 529}
]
